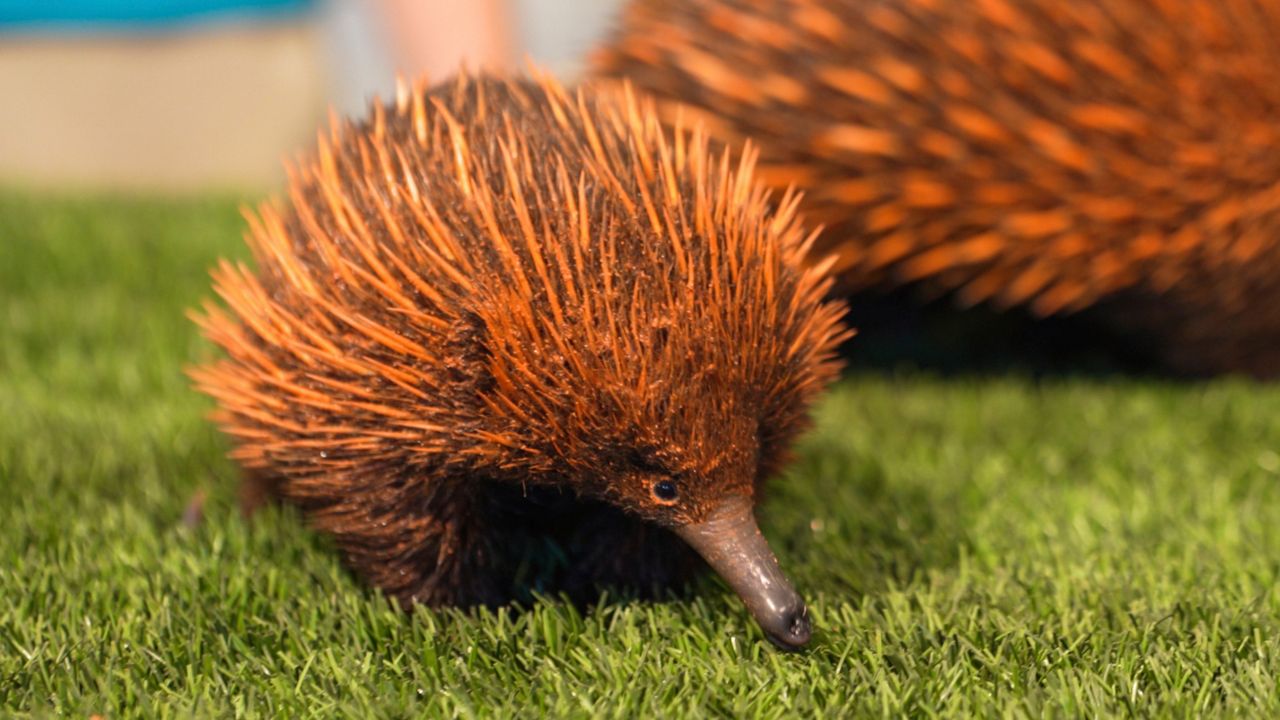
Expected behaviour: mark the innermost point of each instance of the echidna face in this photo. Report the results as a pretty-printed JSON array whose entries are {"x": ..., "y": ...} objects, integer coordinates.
[
  {"x": 679, "y": 473},
  {"x": 701, "y": 486},
  {"x": 675, "y": 432}
]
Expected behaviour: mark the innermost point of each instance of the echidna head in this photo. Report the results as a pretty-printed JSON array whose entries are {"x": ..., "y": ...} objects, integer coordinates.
[
  {"x": 685, "y": 453},
  {"x": 671, "y": 401},
  {"x": 700, "y": 483}
]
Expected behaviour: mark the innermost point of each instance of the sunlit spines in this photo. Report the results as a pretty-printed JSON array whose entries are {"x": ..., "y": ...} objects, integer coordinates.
[{"x": 508, "y": 281}]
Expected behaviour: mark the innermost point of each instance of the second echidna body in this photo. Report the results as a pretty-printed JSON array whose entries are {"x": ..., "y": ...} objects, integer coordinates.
[
  {"x": 1110, "y": 154},
  {"x": 498, "y": 323}
]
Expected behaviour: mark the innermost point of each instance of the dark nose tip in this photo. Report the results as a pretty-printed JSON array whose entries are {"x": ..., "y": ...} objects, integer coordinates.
[{"x": 792, "y": 629}]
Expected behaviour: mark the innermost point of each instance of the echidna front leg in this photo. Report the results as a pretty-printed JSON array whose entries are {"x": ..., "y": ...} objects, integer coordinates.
[
  {"x": 409, "y": 557},
  {"x": 419, "y": 541},
  {"x": 257, "y": 488},
  {"x": 609, "y": 549}
]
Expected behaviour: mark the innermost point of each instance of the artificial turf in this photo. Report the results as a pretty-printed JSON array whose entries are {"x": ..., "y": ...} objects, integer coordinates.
[{"x": 970, "y": 545}]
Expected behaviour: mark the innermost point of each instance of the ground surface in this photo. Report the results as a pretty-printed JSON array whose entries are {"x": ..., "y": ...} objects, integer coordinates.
[{"x": 970, "y": 544}]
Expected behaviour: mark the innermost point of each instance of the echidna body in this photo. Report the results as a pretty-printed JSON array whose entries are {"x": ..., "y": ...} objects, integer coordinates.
[
  {"x": 1040, "y": 153},
  {"x": 497, "y": 322}
]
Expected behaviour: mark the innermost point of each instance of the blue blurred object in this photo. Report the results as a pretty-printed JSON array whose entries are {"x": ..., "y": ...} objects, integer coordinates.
[{"x": 126, "y": 14}]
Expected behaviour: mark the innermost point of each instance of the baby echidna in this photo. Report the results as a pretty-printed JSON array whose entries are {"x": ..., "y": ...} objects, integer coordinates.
[
  {"x": 498, "y": 323},
  {"x": 1113, "y": 154}
]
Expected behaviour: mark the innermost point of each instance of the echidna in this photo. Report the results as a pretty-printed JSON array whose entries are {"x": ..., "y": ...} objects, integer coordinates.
[
  {"x": 498, "y": 324},
  {"x": 1119, "y": 155}
]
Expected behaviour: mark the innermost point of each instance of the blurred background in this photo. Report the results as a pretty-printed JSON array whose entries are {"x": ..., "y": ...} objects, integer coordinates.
[{"x": 198, "y": 95}]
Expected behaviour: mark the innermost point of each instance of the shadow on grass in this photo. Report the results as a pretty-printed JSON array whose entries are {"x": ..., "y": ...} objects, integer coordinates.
[{"x": 897, "y": 331}]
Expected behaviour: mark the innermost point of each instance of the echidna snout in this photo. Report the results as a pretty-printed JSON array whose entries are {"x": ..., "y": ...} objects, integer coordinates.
[{"x": 733, "y": 546}]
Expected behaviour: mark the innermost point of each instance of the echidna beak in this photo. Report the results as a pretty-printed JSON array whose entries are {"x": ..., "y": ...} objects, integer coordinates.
[{"x": 732, "y": 545}]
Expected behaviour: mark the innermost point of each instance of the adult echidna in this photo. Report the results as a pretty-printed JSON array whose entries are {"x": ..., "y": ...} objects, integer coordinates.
[
  {"x": 1118, "y": 155},
  {"x": 498, "y": 323}
]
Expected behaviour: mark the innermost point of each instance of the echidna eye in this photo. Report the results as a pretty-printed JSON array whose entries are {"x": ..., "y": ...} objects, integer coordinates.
[{"x": 665, "y": 491}]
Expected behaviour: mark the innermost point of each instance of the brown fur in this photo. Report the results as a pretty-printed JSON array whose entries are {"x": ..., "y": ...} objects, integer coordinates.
[
  {"x": 492, "y": 316},
  {"x": 1054, "y": 154}
]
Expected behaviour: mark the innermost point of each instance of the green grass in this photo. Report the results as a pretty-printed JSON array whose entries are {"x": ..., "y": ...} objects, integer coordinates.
[{"x": 994, "y": 545}]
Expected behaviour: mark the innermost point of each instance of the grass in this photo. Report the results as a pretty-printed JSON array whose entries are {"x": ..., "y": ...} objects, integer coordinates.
[{"x": 970, "y": 545}]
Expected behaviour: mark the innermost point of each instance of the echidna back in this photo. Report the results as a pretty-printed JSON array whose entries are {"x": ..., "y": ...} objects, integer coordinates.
[{"x": 1053, "y": 154}]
